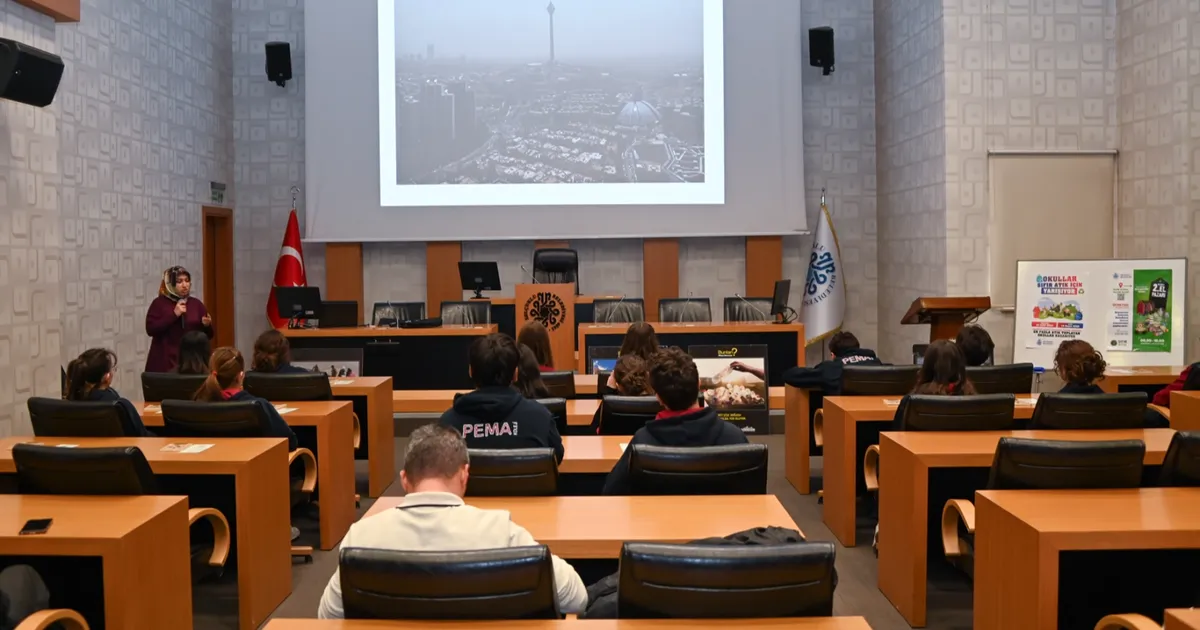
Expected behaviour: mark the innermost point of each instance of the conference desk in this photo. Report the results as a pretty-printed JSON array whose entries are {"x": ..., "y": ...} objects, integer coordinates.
[
  {"x": 906, "y": 460},
  {"x": 1019, "y": 536},
  {"x": 794, "y": 623},
  {"x": 415, "y": 358},
  {"x": 435, "y": 401},
  {"x": 371, "y": 397},
  {"x": 1185, "y": 411},
  {"x": 843, "y": 453},
  {"x": 504, "y": 312},
  {"x": 1152, "y": 376},
  {"x": 255, "y": 470},
  {"x": 333, "y": 448},
  {"x": 587, "y": 385},
  {"x": 591, "y": 454},
  {"x": 141, "y": 543},
  {"x": 785, "y": 342},
  {"x": 596, "y": 527},
  {"x": 1182, "y": 619}
]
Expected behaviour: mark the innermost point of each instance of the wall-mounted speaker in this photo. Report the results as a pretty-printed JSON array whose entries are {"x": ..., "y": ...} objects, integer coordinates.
[
  {"x": 820, "y": 48},
  {"x": 279, "y": 62},
  {"x": 27, "y": 74}
]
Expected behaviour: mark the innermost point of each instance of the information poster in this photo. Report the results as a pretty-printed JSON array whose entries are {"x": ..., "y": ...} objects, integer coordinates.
[
  {"x": 733, "y": 381},
  {"x": 1152, "y": 310},
  {"x": 1059, "y": 314}
]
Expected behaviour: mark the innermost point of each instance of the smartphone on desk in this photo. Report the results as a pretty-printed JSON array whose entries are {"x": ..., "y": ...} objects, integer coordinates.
[{"x": 36, "y": 526}]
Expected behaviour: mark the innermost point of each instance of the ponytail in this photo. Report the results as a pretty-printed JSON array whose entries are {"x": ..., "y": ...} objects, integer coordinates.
[
  {"x": 224, "y": 368},
  {"x": 87, "y": 371}
]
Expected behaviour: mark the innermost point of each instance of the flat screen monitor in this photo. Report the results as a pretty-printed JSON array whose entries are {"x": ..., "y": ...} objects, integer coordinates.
[
  {"x": 779, "y": 300},
  {"x": 298, "y": 302},
  {"x": 602, "y": 358},
  {"x": 479, "y": 276}
]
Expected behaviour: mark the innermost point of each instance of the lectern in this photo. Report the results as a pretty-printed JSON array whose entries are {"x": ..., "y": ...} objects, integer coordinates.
[
  {"x": 945, "y": 315},
  {"x": 554, "y": 306}
]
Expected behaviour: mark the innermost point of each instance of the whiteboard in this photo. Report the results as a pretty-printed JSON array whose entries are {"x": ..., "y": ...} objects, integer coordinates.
[{"x": 1130, "y": 310}]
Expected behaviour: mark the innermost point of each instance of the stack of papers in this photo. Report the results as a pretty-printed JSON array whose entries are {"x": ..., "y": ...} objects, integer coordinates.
[
  {"x": 186, "y": 448},
  {"x": 282, "y": 409}
]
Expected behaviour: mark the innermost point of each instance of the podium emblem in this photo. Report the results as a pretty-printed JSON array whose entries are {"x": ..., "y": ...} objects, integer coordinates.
[{"x": 547, "y": 308}]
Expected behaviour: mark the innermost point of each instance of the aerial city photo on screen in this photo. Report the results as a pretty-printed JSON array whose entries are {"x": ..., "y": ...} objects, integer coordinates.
[{"x": 549, "y": 91}]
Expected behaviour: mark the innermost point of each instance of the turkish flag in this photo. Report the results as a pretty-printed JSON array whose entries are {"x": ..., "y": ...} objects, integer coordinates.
[{"x": 289, "y": 271}]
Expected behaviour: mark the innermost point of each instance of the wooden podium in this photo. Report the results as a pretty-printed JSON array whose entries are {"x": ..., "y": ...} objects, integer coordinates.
[
  {"x": 554, "y": 306},
  {"x": 945, "y": 315}
]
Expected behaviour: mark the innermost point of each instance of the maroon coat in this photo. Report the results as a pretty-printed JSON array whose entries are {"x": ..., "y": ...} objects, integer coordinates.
[{"x": 166, "y": 331}]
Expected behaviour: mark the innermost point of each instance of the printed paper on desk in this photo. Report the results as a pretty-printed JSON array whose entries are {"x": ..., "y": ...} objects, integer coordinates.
[
  {"x": 282, "y": 409},
  {"x": 1028, "y": 402},
  {"x": 186, "y": 448},
  {"x": 152, "y": 409},
  {"x": 341, "y": 381},
  {"x": 623, "y": 445},
  {"x": 891, "y": 402}
]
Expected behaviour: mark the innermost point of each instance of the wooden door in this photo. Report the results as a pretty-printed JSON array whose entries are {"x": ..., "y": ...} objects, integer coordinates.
[{"x": 218, "y": 273}]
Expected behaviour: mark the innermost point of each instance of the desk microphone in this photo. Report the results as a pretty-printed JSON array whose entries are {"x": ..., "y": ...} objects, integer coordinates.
[
  {"x": 752, "y": 305},
  {"x": 531, "y": 276},
  {"x": 612, "y": 311}
]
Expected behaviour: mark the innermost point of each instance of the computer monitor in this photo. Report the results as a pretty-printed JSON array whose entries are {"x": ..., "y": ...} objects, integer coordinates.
[
  {"x": 339, "y": 313},
  {"x": 479, "y": 277},
  {"x": 779, "y": 300},
  {"x": 298, "y": 302}
]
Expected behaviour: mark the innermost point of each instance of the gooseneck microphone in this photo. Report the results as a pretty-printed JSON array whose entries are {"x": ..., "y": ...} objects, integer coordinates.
[
  {"x": 531, "y": 276},
  {"x": 753, "y": 306},
  {"x": 612, "y": 311}
]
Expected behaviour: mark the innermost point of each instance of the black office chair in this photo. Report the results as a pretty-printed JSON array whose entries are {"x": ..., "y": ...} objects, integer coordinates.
[
  {"x": 1089, "y": 411},
  {"x": 160, "y": 386},
  {"x": 556, "y": 265},
  {"x": 116, "y": 471},
  {"x": 470, "y": 313},
  {"x": 702, "y": 582},
  {"x": 1181, "y": 465},
  {"x": 602, "y": 388},
  {"x": 748, "y": 309},
  {"x": 1022, "y": 464},
  {"x": 1002, "y": 379},
  {"x": 52, "y": 417},
  {"x": 684, "y": 310},
  {"x": 559, "y": 384},
  {"x": 513, "y": 472},
  {"x": 511, "y": 583},
  {"x": 624, "y": 415},
  {"x": 558, "y": 410},
  {"x": 869, "y": 380},
  {"x": 666, "y": 470},
  {"x": 392, "y": 313},
  {"x": 620, "y": 311}
]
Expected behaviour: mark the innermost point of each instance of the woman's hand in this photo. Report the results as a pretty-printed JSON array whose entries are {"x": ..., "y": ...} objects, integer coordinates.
[
  {"x": 206, "y": 320},
  {"x": 180, "y": 308}
]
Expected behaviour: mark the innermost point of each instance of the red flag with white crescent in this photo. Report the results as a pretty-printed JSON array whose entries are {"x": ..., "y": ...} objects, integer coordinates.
[{"x": 289, "y": 271}]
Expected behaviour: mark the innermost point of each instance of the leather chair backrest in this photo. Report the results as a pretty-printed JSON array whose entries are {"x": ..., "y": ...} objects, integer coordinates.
[
  {"x": 701, "y": 581},
  {"x": 1089, "y": 411},
  {"x": 512, "y": 472},
  {"x": 214, "y": 419},
  {"x": 755, "y": 309},
  {"x": 556, "y": 265},
  {"x": 626, "y": 311},
  {"x": 559, "y": 384},
  {"x": 392, "y": 313},
  {"x": 558, "y": 409},
  {"x": 511, "y": 583},
  {"x": 878, "y": 380},
  {"x": 121, "y": 470},
  {"x": 160, "y": 386},
  {"x": 468, "y": 313},
  {"x": 289, "y": 387},
  {"x": 1181, "y": 466},
  {"x": 52, "y": 417},
  {"x": 1002, "y": 379},
  {"x": 602, "y": 387},
  {"x": 684, "y": 310},
  {"x": 992, "y": 412},
  {"x": 1022, "y": 464},
  {"x": 624, "y": 415},
  {"x": 669, "y": 470}
]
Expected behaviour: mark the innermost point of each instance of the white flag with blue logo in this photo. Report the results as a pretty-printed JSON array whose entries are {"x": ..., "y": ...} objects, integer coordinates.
[{"x": 823, "y": 309}]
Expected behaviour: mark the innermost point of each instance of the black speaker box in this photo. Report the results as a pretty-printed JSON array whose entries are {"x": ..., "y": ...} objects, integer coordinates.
[
  {"x": 820, "y": 48},
  {"x": 27, "y": 74},
  {"x": 279, "y": 62}
]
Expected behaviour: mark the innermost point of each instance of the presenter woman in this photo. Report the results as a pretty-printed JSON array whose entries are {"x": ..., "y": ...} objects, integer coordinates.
[{"x": 172, "y": 314}]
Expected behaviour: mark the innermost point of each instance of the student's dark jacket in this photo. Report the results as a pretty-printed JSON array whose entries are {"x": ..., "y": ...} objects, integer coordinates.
[
  {"x": 826, "y": 376},
  {"x": 1080, "y": 388},
  {"x": 286, "y": 368},
  {"x": 110, "y": 395},
  {"x": 1187, "y": 381},
  {"x": 279, "y": 428},
  {"x": 698, "y": 428},
  {"x": 500, "y": 417}
]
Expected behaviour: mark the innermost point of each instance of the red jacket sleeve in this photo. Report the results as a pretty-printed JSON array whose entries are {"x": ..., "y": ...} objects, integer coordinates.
[
  {"x": 1163, "y": 397},
  {"x": 160, "y": 317}
]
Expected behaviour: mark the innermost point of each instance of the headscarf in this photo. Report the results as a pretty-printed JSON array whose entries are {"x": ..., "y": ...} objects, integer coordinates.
[{"x": 169, "y": 280}]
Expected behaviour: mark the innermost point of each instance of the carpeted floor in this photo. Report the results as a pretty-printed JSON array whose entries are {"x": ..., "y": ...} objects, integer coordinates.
[{"x": 215, "y": 602}]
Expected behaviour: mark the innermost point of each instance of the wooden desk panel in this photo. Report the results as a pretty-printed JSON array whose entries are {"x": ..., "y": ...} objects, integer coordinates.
[
  {"x": 1182, "y": 619},
  {"x": 585, "y": 385},
  {"x": 382, "y": 332},
  {"x": 841, "y": 463},
  {"x": 1161, "y": 375},
  {"x": 1020, "y": 534},
  {"x": 1185, "y": 411},
  {"x": 591, "y": 454},
  {"x": 904, "y": 495},
  {"x": 579, "y": 299},
  {"x": 797, "y": 428},
  {"x": 797, "y": 623},
  {"x": 142, "y": 543},
  {"x": 334, "y": 424},
  {"x": 259, "y": 467},
  {"x": 596, "y": 527},
  {"x": 435, "y": 401},
  {"x": 377, "y": 390}
]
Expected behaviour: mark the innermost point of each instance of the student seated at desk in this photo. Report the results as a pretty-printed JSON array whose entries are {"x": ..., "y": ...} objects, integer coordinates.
[
  {"x": 529, "y": 376},
  {"x": 496, "y": 415},
  {"x": 676, "y": 383},
  {"x": 273, "y": 353},
  {"x": 1188, "y": 380},
  {"x": 533, "y": 335},
  {"x": 433, "y": 517},
  {"x": 194, "y": 351},
  {"x": 89, "y": 379},
  {"x": 976, "y": 345},
  {"x": 227, "y": 370},
  {"x": 1079, "y": 366},
  {"x": 631, "y": 375},
  {"x": 943, "y": 372},
  {"x": 640, "y": 341},
  {"x": 826, "y": 376}
]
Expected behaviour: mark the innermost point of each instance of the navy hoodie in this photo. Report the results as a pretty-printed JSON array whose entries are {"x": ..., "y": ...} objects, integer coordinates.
[
  {"x": 1079, "y": 388},
  {"x": 826, "y": 376},
  {"x": 500, "y": 417},
  {"x": 698, "y": 428},
  {"x": 111, "y": 395},
  {"x": 279, "y": 428}
]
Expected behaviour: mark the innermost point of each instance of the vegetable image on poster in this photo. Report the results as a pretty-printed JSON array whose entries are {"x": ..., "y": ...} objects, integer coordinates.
[
  {"x": 1152, "y": 310},
  {"x": 1058, "y": 314}
]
